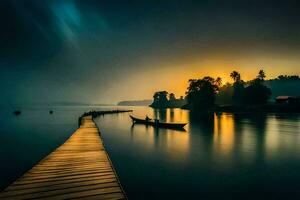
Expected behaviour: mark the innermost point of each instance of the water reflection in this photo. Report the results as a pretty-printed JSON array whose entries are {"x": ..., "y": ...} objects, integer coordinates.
[
  {"x": 171, "y": 115},
  {"x": 280, "y": 145},
  {"x": 173, "y": 143},
  {"x": 226, "y": 137},
  {"x": 217, "y": 152},
  {"x": 223, "y": 134}
]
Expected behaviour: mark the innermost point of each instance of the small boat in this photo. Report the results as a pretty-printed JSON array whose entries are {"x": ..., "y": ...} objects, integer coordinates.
[
  {"x": 157, "y": 124},
  {"x": 51, "y": 112},
  {"x": 17, "y": 112}
]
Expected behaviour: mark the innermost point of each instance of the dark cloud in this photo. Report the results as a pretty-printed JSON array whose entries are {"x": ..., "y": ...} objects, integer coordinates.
[{"x": 34, "y": 30}]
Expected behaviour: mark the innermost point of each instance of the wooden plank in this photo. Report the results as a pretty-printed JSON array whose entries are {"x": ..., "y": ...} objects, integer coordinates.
[
  {"x": 64, "y": 191},
  {"x": 78, "y": 169},
  {"x": 10, "y": 193},
  {"x": 99, "y": 191},
  {"x": 105, "y": 196},
  {"x": 47, "y": 184},
  {"x": 31, "y": 178}
]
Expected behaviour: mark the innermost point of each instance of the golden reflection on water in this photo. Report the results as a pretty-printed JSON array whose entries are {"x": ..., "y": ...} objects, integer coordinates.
[
  {"x": 277, "y": 142},
  {"x": 175, "y": 144},
  {"x": 176, "y": 115},
  {"x": 171, "y": 115},
  {"x": 223, "y": 133},
  {"x": 144, "y": 136},
  {"x": 229, "y": 136},
  {"x": 272, "y": 141},
  {"x": 254, "y": 137}
]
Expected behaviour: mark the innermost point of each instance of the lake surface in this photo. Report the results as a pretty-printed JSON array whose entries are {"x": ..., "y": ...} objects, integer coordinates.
[{"x": 218, "y": 156}]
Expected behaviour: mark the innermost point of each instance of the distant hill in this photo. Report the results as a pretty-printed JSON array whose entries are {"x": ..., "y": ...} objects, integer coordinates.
[
  {"x": 284, "y": 87},
  {"x": 145, "y": 102}
]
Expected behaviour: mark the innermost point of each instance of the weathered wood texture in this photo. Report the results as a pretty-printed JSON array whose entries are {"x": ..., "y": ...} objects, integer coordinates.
[{"x": 78, "y": 169}]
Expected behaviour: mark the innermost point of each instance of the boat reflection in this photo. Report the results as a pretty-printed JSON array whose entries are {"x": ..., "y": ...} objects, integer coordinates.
[
  {"x": 173, "y": 143},
  {"x": 157, "y": 128}
]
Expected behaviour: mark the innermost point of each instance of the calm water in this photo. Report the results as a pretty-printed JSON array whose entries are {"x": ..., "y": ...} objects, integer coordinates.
[{"x": 219, "y": 156}]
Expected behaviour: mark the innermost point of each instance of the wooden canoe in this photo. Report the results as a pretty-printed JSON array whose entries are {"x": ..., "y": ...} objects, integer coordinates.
[{"x": 159, "y": 124}]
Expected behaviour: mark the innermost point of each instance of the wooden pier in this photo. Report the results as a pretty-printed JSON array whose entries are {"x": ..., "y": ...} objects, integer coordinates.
[{"x": 78, "y": 169}]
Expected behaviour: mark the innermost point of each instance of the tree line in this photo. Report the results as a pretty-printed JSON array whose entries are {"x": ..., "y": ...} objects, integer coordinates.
[{"x": 206, "y": 92}]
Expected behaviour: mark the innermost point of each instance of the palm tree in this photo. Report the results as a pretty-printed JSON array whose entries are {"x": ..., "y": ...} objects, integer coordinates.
[
  {"x": 261, "y": 75},
  {"x": 235, "y": 76},
  {"x": 218, "y": 81}
]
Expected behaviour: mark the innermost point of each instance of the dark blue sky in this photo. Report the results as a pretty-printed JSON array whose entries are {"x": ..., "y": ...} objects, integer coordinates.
[{"x": 105, "y": 51}]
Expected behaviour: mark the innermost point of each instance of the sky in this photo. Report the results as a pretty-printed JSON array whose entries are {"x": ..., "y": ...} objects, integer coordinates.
[{"x": 97, "y": 51}]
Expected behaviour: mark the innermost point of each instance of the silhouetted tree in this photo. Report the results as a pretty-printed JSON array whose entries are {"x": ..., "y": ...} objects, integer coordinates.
[
  {"x": 218, "y": 81},
  {"x": 172, "y": 100},
  {"x": 235, "y": 76},
  {"x": 238, "y": 96},
  {"x": 160, "y": 99},
  {"x": 257, "y": 92},
  {"x": 225, "y": 94},
  {"x": 261, "y": 75},
  {"x": 201, "y": 92},
  {"x": 287, "y": 77},
  {"x": 238, "y": 92}
]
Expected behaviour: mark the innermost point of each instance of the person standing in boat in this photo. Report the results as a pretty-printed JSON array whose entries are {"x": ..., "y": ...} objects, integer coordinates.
[{"x": 147, "y": 118}]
